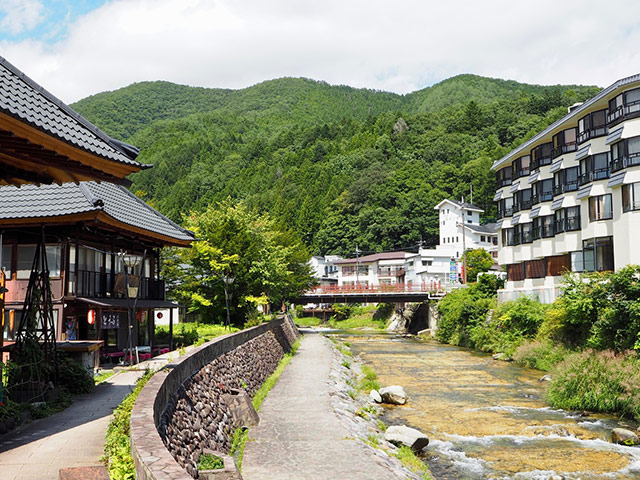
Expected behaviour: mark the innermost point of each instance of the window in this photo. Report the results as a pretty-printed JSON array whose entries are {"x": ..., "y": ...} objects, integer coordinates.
[
  {"x": 507, "y": 237},
  {"x": 482, "y": 238},
  {"x": 595, "y": 167},
  {"x": 535, "y": 269},
  {"x": 598, "y": 254},
  {"x": 592, "y": 125},
  {"x": 631, "y": 197},
  {"x": 625, "y": 153},
  {"x": 427, "y": 263},
  {"x": 505, "y": 207},
  {"x": 7, "y": 257},
  {"x": 520, "y": 167},
  {"x": 522, "y": 200},
  {"x": 559, "y": 222},
  {"x": 577, "y": 264},
  {"x": 564, "y": 142},
  {"x": 515, "y": 272},
  {"x": 541, "y": 155},
  {"x": 600, "y": 208},
  {"x": 557, "y": 265},
  {"x": 566, "y": 180},
  {"x": 503, "y": 177},
  {"x": 624, "y": 105},
  {"x": 542, "y": 191},
  {"x": 523, "y": 233},
  {"x": 572, "y": 218},
  {"x": 26, "y": 254},
  {"x": 494, "y": 240},
  {"x": 543, "y": 227}
]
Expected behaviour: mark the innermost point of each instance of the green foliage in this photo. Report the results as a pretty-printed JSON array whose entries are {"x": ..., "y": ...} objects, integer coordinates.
[
  {"x": 339, "y": 166},
  {"x": 369, "y": 380},
  {"x": 241, "y": 256},
  {"x": 461, "y": 311},
  {"x": 268, "y": 384},
  {"x": 208, "y": 461},
  {"x": 103, "y": 376},
  {"x": 478, "y": 261},
  {"x": 72, "y": 376},
  {"x": 540, "y": 354},
  {"x": 410, "y": 460},
  {"x": 522, "y": 316},
  {"x": 191, "y": 333},
  {"x": 342, "y": 310},
  {"x": 597, "y": 381},
  {"x": 117, "y": 448},
  {"x": 238, "y": 442}
]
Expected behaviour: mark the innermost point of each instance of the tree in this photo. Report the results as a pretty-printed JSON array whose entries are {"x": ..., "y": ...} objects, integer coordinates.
[
  {"x": 478, "y": 261},
  {"x": 244, "y": 251}
]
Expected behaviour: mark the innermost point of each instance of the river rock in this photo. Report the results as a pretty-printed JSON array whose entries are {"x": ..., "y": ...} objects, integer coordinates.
[
  {"x": 623, "y": 436},
  {"x": 545, "y": 378},
  {"x": 394, "y": 395},
  {"x": 402, "y": 435},
  {"x": 375, "y": 396},
  {"x": 502, "y": 356}
]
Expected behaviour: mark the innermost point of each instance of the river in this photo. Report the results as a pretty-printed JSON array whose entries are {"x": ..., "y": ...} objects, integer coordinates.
[{"x": 487, "y": 419}]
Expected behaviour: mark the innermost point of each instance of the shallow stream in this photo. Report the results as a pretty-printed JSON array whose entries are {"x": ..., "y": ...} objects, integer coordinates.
[{"x": 487, "y": 419}]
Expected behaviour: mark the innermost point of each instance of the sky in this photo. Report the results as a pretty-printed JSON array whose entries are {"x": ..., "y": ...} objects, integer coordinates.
[{"x": 76, "y": 48}]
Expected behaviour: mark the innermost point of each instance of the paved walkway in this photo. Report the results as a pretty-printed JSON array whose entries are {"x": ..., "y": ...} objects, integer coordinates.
[
  {"x": 71, "y": 438},
  {"x": 299, "y": 436}
]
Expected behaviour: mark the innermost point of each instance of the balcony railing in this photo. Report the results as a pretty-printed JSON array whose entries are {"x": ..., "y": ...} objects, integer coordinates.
[
  {"x": 625, "y": 161},
  {"x": 562, "y": 149},
  {"x": 101, "y": 285},
  {"x": 592, "y": 133},
  {"x": 631, "y": 109},
  {"x": 592, "y": 175},
  {"x": 523, "y": 172},
  {"x": 503, "y": 182}
]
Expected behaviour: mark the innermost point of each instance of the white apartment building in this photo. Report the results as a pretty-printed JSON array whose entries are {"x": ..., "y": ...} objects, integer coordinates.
[
  {"x": 325, "y": 270},
  {"x": 569, "y": 198},
  {"x": 371, "y": 271}
]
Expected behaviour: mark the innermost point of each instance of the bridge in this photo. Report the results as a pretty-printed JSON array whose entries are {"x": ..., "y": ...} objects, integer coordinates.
[{"x": 399, "y": 293}]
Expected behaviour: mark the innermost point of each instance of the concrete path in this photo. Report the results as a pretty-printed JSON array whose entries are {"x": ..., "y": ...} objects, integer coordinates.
[
  {"x": 71, "y": 438},
  {"x": 299, "y": 435}
]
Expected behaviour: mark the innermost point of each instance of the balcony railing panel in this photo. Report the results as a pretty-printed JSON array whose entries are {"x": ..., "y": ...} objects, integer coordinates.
[{"x": 101, "y": 285}]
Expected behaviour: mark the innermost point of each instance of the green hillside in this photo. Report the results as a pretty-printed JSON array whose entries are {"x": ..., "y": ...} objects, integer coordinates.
[{"x": 338, "y": 165}]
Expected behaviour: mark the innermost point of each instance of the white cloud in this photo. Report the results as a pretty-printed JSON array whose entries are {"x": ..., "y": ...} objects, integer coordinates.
[
  {"x": 397, "y": 46},
  {"x": 20, "y": 15}
]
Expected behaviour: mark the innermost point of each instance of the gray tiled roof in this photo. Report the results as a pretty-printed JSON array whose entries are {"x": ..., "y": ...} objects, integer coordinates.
[
  {"x": 25, "y": 100},
  {"x": 490, "y": 228},
  {"x": 30, "y": 201}
]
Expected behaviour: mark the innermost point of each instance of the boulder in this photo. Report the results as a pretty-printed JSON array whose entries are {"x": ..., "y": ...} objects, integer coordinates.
[
  {"x": 375, "y": 396},
  {"x": 623, "y": 436},
  {"x": 402, "y": 435},
  {"x": 394, "y": 395},
  {"x": 502, "y": 356},
  {"x": 545, "y": 378}
]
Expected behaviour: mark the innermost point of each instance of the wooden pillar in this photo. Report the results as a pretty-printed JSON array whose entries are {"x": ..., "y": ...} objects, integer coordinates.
[{"x": 171, "y": 328}]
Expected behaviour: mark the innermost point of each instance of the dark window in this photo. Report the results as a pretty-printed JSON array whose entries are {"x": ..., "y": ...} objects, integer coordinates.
[
  {"x": 592, "y": 125},
  {"x": 598, "y": 254},
  {"x": 566, "y": 180},
  {"x": 541, "y": 155},
  {"x": 564, "y": 142},
  {"x": 600, "y": 207},
  {"x": 559, "y": 223},
  {"x": 572, "y": 218},
  {"x": 625, "y": 153},
  {"x": 521, "y": 166},
  {"x": 542, "y": 191},
  {"x": 505, "y": 207},
  {"x": 595, "y": 167},
  {"x": 526, "y": 232},
  {"x": 522, "y": 200},
  {"x": 624, "y": 105},
  {"x": 503, "y": 177},
  {"x": 7, "y": 258},
  {"x": 507, "y": 237},
  {"x": 543, "y": 227},
  {"x": 631, "y": 197}
]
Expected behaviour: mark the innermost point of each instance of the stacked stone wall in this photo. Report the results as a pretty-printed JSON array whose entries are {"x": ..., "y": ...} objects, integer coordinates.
[{"x": 186, "y": 401}]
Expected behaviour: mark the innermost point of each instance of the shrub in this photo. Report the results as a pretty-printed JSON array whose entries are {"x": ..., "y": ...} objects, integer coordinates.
[
  {"x": 342, "y": 311},
  {"x": 72, "y": 376},
  {"x": 489, "y": 338},
  {"x": 540, "y": 354},
  {"x": 460, "y": 311},
  {"x": 522, "y": 316},
  {"x": 598, "y": 381}
]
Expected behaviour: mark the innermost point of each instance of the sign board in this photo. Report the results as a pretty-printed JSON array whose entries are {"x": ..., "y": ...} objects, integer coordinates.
[
  {"x": 453, "y": 271},
  {"x": 109, "y": 320}
]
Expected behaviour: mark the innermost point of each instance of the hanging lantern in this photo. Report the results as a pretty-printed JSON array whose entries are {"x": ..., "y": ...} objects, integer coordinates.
[{"x": 91, "y": 317}]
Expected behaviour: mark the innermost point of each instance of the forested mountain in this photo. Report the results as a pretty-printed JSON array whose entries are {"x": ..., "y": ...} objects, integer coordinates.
[{"x": 338, "y": 165}]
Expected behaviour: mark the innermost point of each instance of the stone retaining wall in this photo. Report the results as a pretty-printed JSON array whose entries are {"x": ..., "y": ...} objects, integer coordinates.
[{"x": 180, "y": 412}]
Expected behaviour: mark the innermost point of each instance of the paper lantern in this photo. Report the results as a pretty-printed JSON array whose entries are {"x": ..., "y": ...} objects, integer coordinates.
[{"x": 91, "y": 317}]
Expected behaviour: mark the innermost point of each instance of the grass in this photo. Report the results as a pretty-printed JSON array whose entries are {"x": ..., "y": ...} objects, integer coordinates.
[
  {"x": 268, "y": 384},
  {"x": 413, "y": 463},
  {"x": 117, "y": 449},
  {"x": 104, "y": 375},
  {"x": 369, "y": 382},
  {"x": 370, "y": 316},
  {"x": 238, "y": 442},
  {"x": 210, "y": 462}
]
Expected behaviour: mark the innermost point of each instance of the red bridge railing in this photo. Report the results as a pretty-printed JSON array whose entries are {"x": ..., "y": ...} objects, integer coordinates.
[{"x": 363, "y": 288}]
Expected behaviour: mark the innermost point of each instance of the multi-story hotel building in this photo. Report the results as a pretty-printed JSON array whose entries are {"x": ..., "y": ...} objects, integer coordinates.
[{"x": 569, "y": 198}]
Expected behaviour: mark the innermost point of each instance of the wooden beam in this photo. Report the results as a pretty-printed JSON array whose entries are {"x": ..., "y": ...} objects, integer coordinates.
[{"x": 110, "y": 167}]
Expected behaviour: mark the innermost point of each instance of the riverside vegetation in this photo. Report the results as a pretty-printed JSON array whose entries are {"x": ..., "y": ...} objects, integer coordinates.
[{"x": 588, "y": 339}]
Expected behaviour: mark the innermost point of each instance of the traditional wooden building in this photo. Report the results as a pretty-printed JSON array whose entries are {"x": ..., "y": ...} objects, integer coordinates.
[
  {"x": 88, "y": 228},
  {"x": 44, "y": 141}
]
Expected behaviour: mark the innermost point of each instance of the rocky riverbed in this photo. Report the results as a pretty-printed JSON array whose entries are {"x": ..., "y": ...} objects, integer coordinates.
[{"x": 359, "y": 414}]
